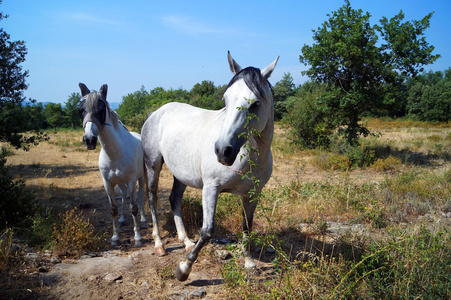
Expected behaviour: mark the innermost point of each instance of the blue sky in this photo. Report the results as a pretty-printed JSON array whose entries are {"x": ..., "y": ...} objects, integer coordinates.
[{"x": 173, "y": 44}]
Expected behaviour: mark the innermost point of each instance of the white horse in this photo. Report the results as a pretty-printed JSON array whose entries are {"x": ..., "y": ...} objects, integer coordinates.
[
  {"x": 120, "y": 159},
  {"x": 204, "y": 149}
]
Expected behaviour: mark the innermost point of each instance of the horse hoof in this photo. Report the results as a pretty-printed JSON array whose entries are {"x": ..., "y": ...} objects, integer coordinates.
[
  {"x": 138, "y": 243},
  {"x": 115, "y": 243},
  {"x": 121, "y": 223},
  {"x": 182, "y": 271},
  {"x": 159, "y": 251}
]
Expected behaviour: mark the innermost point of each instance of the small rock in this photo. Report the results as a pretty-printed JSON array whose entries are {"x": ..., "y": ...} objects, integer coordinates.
[
  {"x": 145, "y": 284},
  {"x": 111, "y": 277},
  {"x": 92, "y": 278},
  {"x": 55, "y": 260},
  {"x": 199, "y": 293},
  {"x": 31, "y": 255}
]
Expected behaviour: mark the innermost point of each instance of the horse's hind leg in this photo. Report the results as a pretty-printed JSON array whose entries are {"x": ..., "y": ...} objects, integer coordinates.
[
  {"x": 141, "y": 208},
  {"x": 176, "y": 198},
  {"x": 114, "y": 212},
  {"x": 123, "y": 189},
  {"x": 152, "y": 171},
  {"x": 134, "y": 210},
  {"x": 249, "y": 206}
]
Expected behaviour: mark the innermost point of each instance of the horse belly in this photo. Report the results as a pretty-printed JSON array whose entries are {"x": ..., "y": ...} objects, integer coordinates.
[{"x": 184, "y": 170}]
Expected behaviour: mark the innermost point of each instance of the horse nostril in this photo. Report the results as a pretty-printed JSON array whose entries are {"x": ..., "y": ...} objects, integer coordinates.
[{"x": 228, "y": 151}]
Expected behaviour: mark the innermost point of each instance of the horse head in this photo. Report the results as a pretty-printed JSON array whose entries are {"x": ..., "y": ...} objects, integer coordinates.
[
  {"x": 93, "y": 111},
  {"x": 248, "y": 108}
]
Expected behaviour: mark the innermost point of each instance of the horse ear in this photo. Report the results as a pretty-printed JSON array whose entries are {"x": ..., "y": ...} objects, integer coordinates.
[
  {"x": 234, "y": 66},
  {"x": 84, "y": 89},
  {"x": 268, "y": 70},
  {"x": 103, "y": 91}
]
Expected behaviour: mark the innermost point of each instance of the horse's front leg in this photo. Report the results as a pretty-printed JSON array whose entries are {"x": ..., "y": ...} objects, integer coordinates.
[
  {"x": 134, "y": 210},
  {"x": 175, "y": 199},
  {"x": 209, "y": 200},
  {"x": 114, "y": 212},
  {"x": 123, "y": 189},
  {"x": 249, "y": 206}
]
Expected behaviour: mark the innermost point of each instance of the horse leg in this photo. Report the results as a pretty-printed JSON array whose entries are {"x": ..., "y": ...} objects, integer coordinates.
[
  {"x": 141, "y": 208},
  {"x": 175, "y": 199},
  {"x": 121, "y": 220},
  {"x": 114, "y": 212},
  {"x": 249, "y": 206},
  {"x": 134, "y": 210},
  {"x": 209, "y": 200},
  {"x": 152, "y": 171}
]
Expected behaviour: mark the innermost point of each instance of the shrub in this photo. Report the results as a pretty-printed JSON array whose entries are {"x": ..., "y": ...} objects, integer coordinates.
[
  {"x": 17, "y": 202},
  {"x": 309, "y": 127},
  {"x": 385, "y": 164},
  {"x": 75, "y": 235}
]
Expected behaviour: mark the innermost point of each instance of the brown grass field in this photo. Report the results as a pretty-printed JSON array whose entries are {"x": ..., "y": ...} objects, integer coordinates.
[{"x": 299, "y": 205}]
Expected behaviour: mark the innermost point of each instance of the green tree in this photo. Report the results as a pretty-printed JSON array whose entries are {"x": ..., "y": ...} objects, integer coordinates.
[
  {"x": 133, "y": 103},
  {"x": 282, "y": 90},
  {"x": 429, "y": 96},
  {"x": 361, "y": 72},
  {"x": 13, "y": 121},
  {"x": 71, "y": 110},
  {"x": 54, "y": 115},
  {"x": 206, "y": 88},
  {"x": 207, "y": 95}
]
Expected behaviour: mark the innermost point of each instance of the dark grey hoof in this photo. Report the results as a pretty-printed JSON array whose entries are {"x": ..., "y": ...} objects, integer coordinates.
[
  {"x": 121, "y": 224},
  {"x": 138, "y": 243},
  {"x": 180, "y": 275},
  {"x": 115, "y": 243}
]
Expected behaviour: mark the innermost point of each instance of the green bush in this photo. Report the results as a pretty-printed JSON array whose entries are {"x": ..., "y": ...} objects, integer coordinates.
[
  {"x": 309, "y": 127},
  {"x": 17, "y": 202}
]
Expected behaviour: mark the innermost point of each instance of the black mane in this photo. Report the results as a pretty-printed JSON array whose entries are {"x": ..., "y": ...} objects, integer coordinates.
[{"x": 253, "y": 79}]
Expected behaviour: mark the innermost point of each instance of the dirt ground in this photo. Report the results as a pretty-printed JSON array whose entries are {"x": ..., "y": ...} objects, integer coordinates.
[{"x": 67, "y": 177}]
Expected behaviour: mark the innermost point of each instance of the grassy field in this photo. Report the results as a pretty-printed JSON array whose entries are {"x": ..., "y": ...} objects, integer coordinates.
[{"x": 369, "y": 222}]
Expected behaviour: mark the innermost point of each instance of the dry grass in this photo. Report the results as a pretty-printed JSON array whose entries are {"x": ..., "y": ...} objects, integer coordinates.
[{"x": 66, "y": 176}]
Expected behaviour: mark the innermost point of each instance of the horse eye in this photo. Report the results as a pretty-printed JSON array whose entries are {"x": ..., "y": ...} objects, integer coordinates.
[{"x": 254, "y": 105}]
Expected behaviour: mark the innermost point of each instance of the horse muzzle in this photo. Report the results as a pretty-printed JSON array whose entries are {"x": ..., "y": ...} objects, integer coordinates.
[
  {"x": 90, "y": 142},
  {"x": 226, "y": 155}
]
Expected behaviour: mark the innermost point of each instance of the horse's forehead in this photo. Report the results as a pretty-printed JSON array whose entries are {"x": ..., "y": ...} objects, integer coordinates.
[
  {"x": 239, "y": 91},
  {"x": 92, "y": 100}
]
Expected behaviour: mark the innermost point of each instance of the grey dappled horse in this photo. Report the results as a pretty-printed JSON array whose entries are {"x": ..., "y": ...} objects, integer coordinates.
[
  {"x": 204, "y": 149},
  {"x": 120, "y": 159}
]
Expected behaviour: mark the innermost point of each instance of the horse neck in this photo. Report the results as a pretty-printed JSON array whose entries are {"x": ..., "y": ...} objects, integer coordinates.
[
  {"x": 263, "y": 142},
  {"x": 112, "y": 140}
]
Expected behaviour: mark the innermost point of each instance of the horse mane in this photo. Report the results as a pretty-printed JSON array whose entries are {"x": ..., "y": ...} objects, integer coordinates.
[
  {"x": 91, "y": 103},
  {"x": 254, "y": 81}
]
